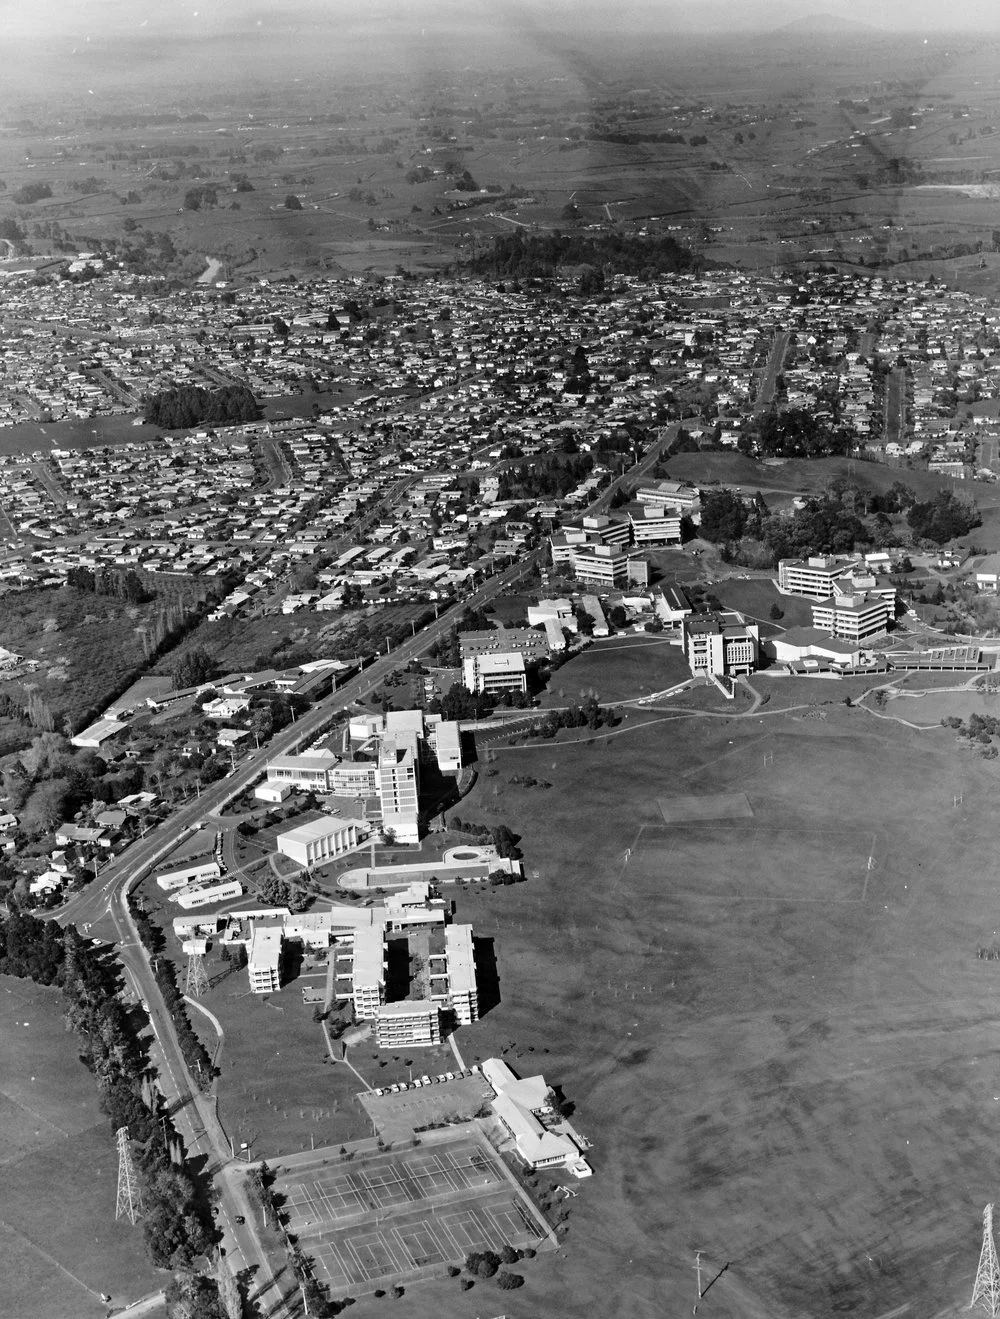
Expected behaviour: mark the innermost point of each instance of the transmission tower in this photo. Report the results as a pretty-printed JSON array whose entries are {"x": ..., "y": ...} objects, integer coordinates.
[
  {"x": 129, "y": 1195},
  {"x": 196, "y": 982},
  {"x": 987, "y": 1289}
]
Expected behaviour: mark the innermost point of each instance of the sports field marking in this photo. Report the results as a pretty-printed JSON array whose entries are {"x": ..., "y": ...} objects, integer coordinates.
[
  {"x": 336, "y": 1270},
  {"x": 420, "y": 1242},
  {"x": 456, "y": 1227},
  {"x": 377, "y": 1251}
]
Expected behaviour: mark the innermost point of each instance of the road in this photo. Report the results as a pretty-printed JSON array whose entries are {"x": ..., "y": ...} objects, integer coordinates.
[
  {"x": 775, "y": 361},
  {"x": 895, "y": 406}
]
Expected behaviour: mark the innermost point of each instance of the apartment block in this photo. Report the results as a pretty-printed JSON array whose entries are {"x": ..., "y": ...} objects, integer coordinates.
[
  {"x": 398, "y": 790},
  {"x": 264, "y": 958},
  {"x": 368, "y": 974},
  {"x": 653, "y": 524}
]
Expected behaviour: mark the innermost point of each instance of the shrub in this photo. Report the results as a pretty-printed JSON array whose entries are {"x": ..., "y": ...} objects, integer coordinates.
[
  {"x": 466, "y": 1283},
  {"x": 508, "y": 1255},
  {"x": 508, "y": 1281}
]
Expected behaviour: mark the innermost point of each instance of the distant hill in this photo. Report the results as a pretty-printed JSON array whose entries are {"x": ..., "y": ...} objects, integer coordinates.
[{"x": 825, "y": 25}]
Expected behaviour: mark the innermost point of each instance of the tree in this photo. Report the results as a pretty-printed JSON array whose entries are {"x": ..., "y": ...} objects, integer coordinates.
[
  {"x": 292, "y": 203},
  {"x": 775, "y": 612},
  {"x": 509, "y": 1281},
  {"x": 192, "y": 669}
]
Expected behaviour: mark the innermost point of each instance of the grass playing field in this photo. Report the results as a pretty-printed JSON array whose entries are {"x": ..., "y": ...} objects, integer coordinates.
[{"x": 60, "y": 1245}]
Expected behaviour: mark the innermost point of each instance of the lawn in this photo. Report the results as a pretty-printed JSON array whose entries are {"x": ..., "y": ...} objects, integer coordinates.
[
  {"x": 60, "y": 1245},
  {"x": 619, "y": 668},
  {"x": 772, "y": 1029}
]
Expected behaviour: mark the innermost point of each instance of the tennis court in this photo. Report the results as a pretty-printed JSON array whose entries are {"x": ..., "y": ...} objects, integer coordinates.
[{"x": 390, "y": 1214}]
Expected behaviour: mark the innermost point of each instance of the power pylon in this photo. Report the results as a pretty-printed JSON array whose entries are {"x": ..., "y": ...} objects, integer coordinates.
[
  {"x": 196, "y": 983},
  {"x": 986, "y": 1292},
  {"x": 129, "y": 1195}
]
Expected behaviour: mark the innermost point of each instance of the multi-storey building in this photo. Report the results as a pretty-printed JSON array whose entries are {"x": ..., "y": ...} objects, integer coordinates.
[
  {"x": 368, "y": 972},
  {"x": 852, "y": 617},
  {"x": 408, "y": 1023},
  {"x": 398, "y": 790},
  {"x": 495, "y": 673},
  {"x": 813, "y": 576},
  {"x": 654, "y": 524},
  {"x": 264, "y": 957},
  {"x": 720, "y": 644},
  {"x": 604, "y": 565}
]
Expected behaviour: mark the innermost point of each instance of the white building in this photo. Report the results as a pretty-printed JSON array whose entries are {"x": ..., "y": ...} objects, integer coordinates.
[
  {"x": 202, "y": 897},
  {"x": 368, "y": 973},
  {"x": 495, "y": 673},
  {"x": 398, "y": 796},
  {"x": 321, "y": 840},
  {"x": 264, "y": 959}
]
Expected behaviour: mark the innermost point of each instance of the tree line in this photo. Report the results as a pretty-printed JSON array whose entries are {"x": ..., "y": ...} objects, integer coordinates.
[
  {"x": 176, "y": 1222},
  {"x": 542, "y": 256},
  {"x": 190, "y": 405}
]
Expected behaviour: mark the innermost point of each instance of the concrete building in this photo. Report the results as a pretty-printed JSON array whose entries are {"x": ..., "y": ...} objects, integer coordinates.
[
  {"x": 264, "y": 958},
  {"x": 398, "y": 791},
  {"x": 683, "y": 499},
  {"x": 308, "y": 771},
  {"x": 495, "y": 673},
  {"x": 198, "y": 873},
  {"x": 654, "y": 525},
  {"x": 853, "y": 618},
  {"x": 812, "y": 577},
  {"x": 460, "y": 966},
  {"x": 368, "y": 973},
  {"x": 204, "y": 896},
  {"x": 445, "y": 736},
  {"x": 407, "y": 1024},
  {"x": 320, "y": 840},
  {"x": 604, "y": 565},
  {"x": 720, "y": 644}
]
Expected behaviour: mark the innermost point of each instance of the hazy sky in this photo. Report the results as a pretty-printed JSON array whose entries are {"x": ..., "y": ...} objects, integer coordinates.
[{"x": 41, "y": 20}]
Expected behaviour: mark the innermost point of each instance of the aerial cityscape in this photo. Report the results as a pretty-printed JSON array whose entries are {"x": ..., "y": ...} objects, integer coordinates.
[{"x": 499, "y": 660}]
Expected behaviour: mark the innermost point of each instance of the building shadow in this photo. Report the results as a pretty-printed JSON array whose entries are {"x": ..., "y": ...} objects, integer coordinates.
[{"x": 487, "y": 975}]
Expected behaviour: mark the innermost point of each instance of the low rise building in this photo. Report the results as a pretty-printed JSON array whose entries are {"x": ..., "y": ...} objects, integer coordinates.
[{"x": 321, "y": 840}]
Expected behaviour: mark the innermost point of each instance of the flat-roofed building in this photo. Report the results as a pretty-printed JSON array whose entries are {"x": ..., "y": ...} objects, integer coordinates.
[
  {"x": 495, "y": 673},
  {"x": 320, "y": 840},
  {"x": 264, "y": 958},
  {"x": 446, "y": 739},
  {"x": 203, "y": 897},
  {"x": 684, "y": 499},
  {"x": 307, "y": 771},
  {"x": 852, "y": 617},
  {"x": 720, "y": 644},
  {"x": 398, "y": 790},
  {"x": 604, "y": 565},
  {"x": 460, "y": 960},
  {"x": 368, "y": 973},
  {"x": 654, "y": 525},
  {"x": 813, "y": 576},
  {"x": 408, "y": 1023}
]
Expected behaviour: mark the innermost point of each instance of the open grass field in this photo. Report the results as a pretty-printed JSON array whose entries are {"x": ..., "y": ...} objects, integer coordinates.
[
  {"x": 618, "y": 668},
  {"x": 60, "y": 1246},
  {"x": 782, "y": 1050}
]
